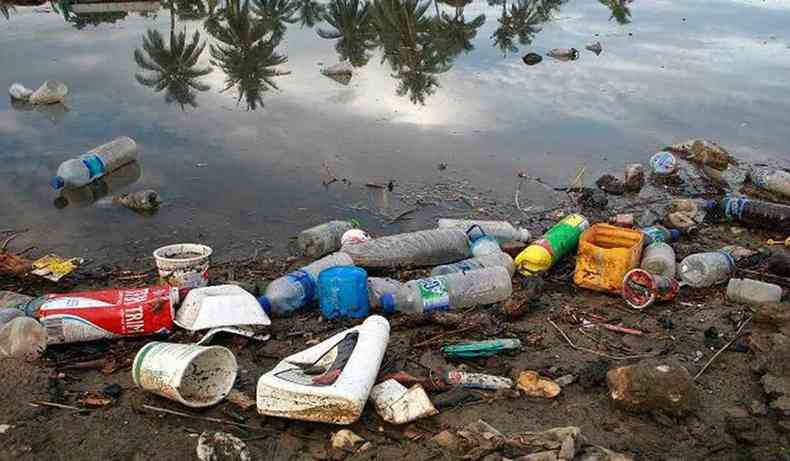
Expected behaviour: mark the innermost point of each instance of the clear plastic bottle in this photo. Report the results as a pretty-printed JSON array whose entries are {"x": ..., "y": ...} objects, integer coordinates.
[
  {"x": 451, "y": 291},
  {"x": 706, "y": 269},
  {"x": 772, "y": 180},
  {"x": 500, "y": 230},
  {"x": 659, "y": 259},
  {"x": 322, "y": 239},
  {"x": 23, "y": 338},
  {"x": 377, "y": 286},
  {"x": 485, "y": 253},
  {"x": 95, "y": 163},
  {"x": 291, "y": 292},
  {"x": 753, "y": 292},
  {"x": 659, "y": 233},
  {"x": 422, "y": 248}
]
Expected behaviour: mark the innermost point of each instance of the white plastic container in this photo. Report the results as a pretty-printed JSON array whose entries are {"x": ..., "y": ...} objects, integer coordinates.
[
  {"x": 500, "y": 230},
  {"x": 350, "y": 361},
  {"x": 422, "y": 248},
  {"x": 398, "y": 405},
  {"x": 322, "y": 239},
  {"x": 184, "y": 265},
  {"x": 659, "y": 259},
  {"x": 195, "y": 376},
  {"x": 220, "y": 306},
  {"x": 706, "y": 269},
  {"x": 753, "y": 292}
]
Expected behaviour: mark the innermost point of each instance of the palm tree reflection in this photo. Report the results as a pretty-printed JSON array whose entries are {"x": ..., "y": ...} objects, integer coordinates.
[
  {"x": 276, "y": 14},
  {"x": 620, "y": 11},
  {"x": 352, "y": 24},
  {"x": 309, "y": 12},
  {"x": 522, "y": 22}
]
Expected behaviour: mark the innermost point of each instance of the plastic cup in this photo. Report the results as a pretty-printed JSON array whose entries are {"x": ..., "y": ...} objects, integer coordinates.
[
  {"x": 195, "y": 376},
  {"x": 184, "y": 265}
]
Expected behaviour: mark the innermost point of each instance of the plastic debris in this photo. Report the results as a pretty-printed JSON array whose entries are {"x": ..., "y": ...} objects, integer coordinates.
[
  {"x": 343, "y": 292},
  {"x": 476, "y": 380},
  {"x": 19, "y": 92},
  {"x": 772, "y": 180},
  {"x": 595, "y": 48},
  {"x": 221, "y": 446},
  {"x": 756, "y": 213},
  {"x": 481, "y": 348},
  {"x": 564, "y": 54},
  {"x": 95, "y": 163},
  {"x": 622, "y": 220},
  {"x": 753, "y": 292},
  {"x": 346, "y": 440},
  {"x": 22, "y": 338},
  {"x": 322, "y": 239},
  {"x": 659, "y": 258},
  {"x": 555, "y": 244},
  {"x": 606, "y": 254},
  {"x": 354, "y": 236},
  {"x": 707, "y": 269},
  {"x": 144, "y": 201},
  {"x": 184, "y": 265},
  {"x": 50, "y": 92},
  {"x": 398, "y": 405},
  {"x": 704, "y": 152},
  {"x": 502, "y": 231},
  {"x": 220, "y": 306},
  {"x": 663, "y": 163},
  {"x": 54, "y": 268},
  {"x": 641, "y": 288},
  {"x": 422, "y": 248},
  {"x": 534, "y": 385}
]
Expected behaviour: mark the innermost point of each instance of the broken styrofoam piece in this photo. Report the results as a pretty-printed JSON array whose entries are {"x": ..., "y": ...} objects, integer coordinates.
[
  {"x": 329, "y": 382},
  {"x": 220, "y": 306},
  {"x": 399, "y": 405}
]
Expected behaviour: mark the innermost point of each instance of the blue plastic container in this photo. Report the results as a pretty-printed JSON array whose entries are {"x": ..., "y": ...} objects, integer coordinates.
[{"x": 343, "y": 291}]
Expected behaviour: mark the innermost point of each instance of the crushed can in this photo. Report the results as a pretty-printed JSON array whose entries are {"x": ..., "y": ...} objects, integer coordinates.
[{"x": 641, "y": 288}]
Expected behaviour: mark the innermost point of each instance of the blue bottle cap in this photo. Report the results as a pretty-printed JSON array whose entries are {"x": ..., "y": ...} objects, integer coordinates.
[
  {"x": 57, "y": 182},
  {"x": 265, "y": 305},
  {"x": 674, "y": 234},
  {"x": 388, "y": 303},
  {"x": 709, "y": 205}
]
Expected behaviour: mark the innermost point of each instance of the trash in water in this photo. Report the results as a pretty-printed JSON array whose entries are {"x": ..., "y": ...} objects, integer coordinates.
[
  {"x": 756, "y": 213},
  {"x": 398, "y": 405},
  {"x": 555, "y": 244},
  {"x": 144, "y": 201},
  {"x": 195, "y": 376},
  {"x": 340, "y": 72},
  {"x": 96, "y": 190},
  {"x": 54, "y": 268},
  {"x": 531, "y": 59},
  {"x": 95, "y": 163},
  {"x": 753, "y": 292},
  {"x": 704, "y": 152},
  {"x": 19, "y": 92},
  {"x": 50, "y": 92},
  {"x": 595, "y": 48},
  {"x": 606, "y": 253},
  {"x": 481, "y": 348},
  {"x": 322, "y": 239},
  {"x": 220, "y": 306},
  {"x": 641, "y": 288},
  {"x": 663, "y": 163},
  {"x": 221, "y": 446},
  {"x": 564, "y": 54},
  {"x": 354, "y": 236},
  {"x": 534, "y": 385},
  {"x": 343, "y": 292},
  {"x": 349, "y": 362},
  {"x": 183, "y": 265},
  {"x": 476, "y": 380},
  {"x": 22, "y": 338}
]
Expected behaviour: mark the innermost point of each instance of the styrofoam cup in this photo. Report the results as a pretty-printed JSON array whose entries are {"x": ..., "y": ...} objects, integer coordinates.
[{"x": 178, "y": 271}]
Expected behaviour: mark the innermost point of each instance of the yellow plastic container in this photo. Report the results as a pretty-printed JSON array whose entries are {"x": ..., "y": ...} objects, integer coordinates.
[{"x": 606, "y": 254}]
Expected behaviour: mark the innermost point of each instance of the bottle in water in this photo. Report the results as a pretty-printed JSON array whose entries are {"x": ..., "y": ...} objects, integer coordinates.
[
  {"x": 752, "y": 212},
  {"x": 322, "y": 239},
  {"x": 706, "y": 269},
  {"x": 772, "y": 180},
  {"x": 422, "y": 248},
  {"x": 451, "y": 291},
  {"x": 660, "y": 234},
  {"x": 290, "y": 293},
  {"x": 500, "y": 230},
  {"x": 659, "y": 259},
  {"x": 95, "y": 163}
]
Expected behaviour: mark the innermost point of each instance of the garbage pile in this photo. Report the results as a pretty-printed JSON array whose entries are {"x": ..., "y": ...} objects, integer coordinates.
[{"x": 334, "y": 379}]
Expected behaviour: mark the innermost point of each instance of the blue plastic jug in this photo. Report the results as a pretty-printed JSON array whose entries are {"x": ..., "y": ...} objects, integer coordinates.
[{"x": 343, "y": 291}]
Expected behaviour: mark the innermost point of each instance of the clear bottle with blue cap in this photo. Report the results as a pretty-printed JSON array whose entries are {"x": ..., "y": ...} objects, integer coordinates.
[
  {"x": 95, "y": 163},
  {"x": 485, "y": 253}
]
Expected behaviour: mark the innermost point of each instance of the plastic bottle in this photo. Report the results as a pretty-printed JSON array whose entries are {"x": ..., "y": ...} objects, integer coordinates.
[
  {"x": 752, "y": 212},
  {"x": 22, "y": 338},
  {"x": 706, "y": 269},
  {"x": 108, "y": 184},
  {"x": 422, "y": 248},
  {"x": 377, "y": 286},
  {"x": 95, "y": 163},
  {"x": 451, "y": 291},
  {"x": 659, "y": 259},
  {"x": 772, "y": 180},
  {"x": 560, "y": 240},
  {"x": 500, "y": 230},
  {"x": 289, "y": 293},
  {"x": 499, "y": 259},
  {"x": 322, "y": 239},
  {"x": 753, "y": 292},
  {"x": 659, "y": 233}
]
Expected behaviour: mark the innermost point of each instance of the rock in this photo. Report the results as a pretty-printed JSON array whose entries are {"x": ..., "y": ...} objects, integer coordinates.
[
  {"x": 744, "y": 429},
  {"x": 704, "y": 152},
  {"x": 634, "y": 177},
  {"x": 531, "y": 59},
  {"x": 593, "y": 199},
  {"x": 648, "y": 218},
  {"x": 779, "y": 262},
  {"x": 778, "y": 389},
  {"x": 595, "y": 48},
  {"x": 221, "y": 446},
  {"x": 610, "y": 185},
  {"x": 18, "y": 92},
  {"x": 50, "y": 92},
  {"x": 758, "y": 408},
  {"x": 346, "y": 440},
  {"x": 649, "y": 388},
  {"x": 594, "y": 373},
  {"x": 566, "y": 380},
  {"x": 142, "y": 201},
  {"x": 448, "y": 440},
  {"x": 533, "y": 385}
]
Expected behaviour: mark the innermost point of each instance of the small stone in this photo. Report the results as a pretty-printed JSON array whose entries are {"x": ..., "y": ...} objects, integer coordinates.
[
  {"x": 221, "y": 446},
  {"x": 610, "y": 185},
  {"x": 650, "y": 388},
  {"x": 744, "y": 429},
  {"x": 531, "y": 59},
  {"x": 448, "y": 440},
  {"x": 758, "y": 408},
  {"x": 346, "y": 440},
  {"x": 566, "y": 380},
  {"x": 593, "y": 199},
  {"x": 634, "y": 177},
  {"x": 5, "y": 427},
  {"x": 533, "y": 385}
]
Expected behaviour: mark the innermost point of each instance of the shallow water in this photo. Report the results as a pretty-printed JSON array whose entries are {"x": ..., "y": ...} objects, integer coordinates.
[{"x": 239, "y": 164}]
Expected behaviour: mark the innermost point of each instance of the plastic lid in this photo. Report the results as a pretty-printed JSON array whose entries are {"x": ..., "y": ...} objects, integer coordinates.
[
  {"x": 265, "y": 304},
  {"x": 57, "y": 182},
  {"x": 525, "y": 235},
  {"x": 533, "y": 259},
  {"x": 674, "y": 234},
  {"x": 387, "y": 303},
  {"x": 709, "y": 205}
]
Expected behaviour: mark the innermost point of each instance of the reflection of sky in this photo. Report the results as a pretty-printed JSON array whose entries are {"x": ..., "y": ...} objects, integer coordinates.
[{"x": 720, "y": 74}]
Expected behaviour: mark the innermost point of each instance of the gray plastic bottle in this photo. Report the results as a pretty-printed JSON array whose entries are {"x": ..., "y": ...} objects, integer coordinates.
[
  {"x": 451, "y": 291},
  {"x": 773, "y": 180},
  {"x": 95, "y": 163},
  {"x": 422, "y": 248},
  {"x": 322, "y": 239},
  {"x": 753, "y": 292},
  {"x": 500, "y": 230},
  {"x": 706, "y": 269},
  {"x": 659, "y": 259},
  {"x": 485, "y": 253}
]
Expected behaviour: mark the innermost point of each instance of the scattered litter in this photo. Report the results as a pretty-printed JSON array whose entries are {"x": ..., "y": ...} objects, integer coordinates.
[
  {"x": 144, "y": 201},
  {"x": 220, "y": 306},
  {"x": 354, "y": 236},
  {"x": 95, "y": 163},
  {"x": 23, "y": 338},
  {"x": 343, "y": 292},
  {"x": 240, "y": 399},
  {"x": 595, "y": 48},
  {"x": 555, "y": 244},
  {"x": 753, "y": 292},
  {"x": 346, "y": 440},
  {"x": 50, "y": 92},
  {"x": 398, "y": 405},
  {"x": 184, "y": 265},
  {"x": 322, "y": 239},
  {"x": 772, "y": 180},
  {"x": 641, "y": 288},
  {"x": 622, "y": 220},
  {"x": 534, "y": 385},
  {"x": 606, "y": 253},
  {"x": 19, "y": 92},
  {"x": 531, "y": 59},
  {"x": 481, "y": 348},
  {"x": 54, "y": 268},
  {"x": 663, "y": 163},
  {"x": 564, "y": 54},
  {"x": 246, "y": 331},
  {"x": 5, "y": 428},
  {"x": 221, "y": 446},
  {"x": 476, "y": 380}
]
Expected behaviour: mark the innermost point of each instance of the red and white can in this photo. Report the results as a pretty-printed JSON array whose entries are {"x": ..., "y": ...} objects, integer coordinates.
[{"x": 92, "y": 315}]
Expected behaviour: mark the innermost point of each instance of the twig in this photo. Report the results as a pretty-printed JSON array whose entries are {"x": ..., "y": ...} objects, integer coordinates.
[
  {"x": 440, "y": 336},
  {"x": 619, "y": 329},
  {"x": 201, "y": 418},
  {"x": 591, "y": 351},
  {"x": 404, "y": 214},
  {"x": 7, "y": 241},
  {"x": 518, "y": 192},
  {"x": 42, "y": 403},
  {"x": 737, "y": 335}
]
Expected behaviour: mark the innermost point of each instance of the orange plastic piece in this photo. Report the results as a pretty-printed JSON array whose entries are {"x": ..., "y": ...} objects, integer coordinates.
[{"x": 606, "y": 254}]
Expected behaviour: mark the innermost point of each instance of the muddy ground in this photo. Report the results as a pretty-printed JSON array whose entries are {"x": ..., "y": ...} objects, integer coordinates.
[{"x": 674, "y": 332}]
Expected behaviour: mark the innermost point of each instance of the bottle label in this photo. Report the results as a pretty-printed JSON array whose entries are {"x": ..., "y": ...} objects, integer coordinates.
[
  {"x": 564, "y": 236},
  {"x": 303, "y": 279},
  {"x": 94, "y": 165},
  {"x": 733, "y": 207},
  {"x": 435, "y": 295},
  {"x": 653, "y": 234}
]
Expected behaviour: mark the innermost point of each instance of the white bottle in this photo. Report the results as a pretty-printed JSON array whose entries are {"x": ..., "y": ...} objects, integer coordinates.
[
  {"x": 772, "y": 180},
  {"x": 322, "y": 239},
  {"x": 297, "y": 289},
  {"x": 659, "y": 259},
  {"x": 753, "y": 292},
  {"x": 421, "y": 248},
  {"x": 451, "y": 291},
  {"x": 500, "y": 230},
  {"x": 95, "y": 163},
  {"x": 706, "y": 269}
]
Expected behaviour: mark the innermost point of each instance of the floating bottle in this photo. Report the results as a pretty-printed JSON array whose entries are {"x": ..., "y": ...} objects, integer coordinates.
[
  {"x": 500, "y": 230},
  {"x": 95, "y": 163},
  {"x": 423, "y": 248},
  {"x": 322, "y": 239},
  {"x": 560, "y": 240},
  {"x": 755, "y": 213},
  {"x": 706, "y": 269}
]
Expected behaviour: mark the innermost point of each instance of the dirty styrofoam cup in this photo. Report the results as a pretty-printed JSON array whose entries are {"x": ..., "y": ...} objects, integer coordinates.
[
  {"x": 195, "y": 376},
  {"x": 184, "y": 265}
]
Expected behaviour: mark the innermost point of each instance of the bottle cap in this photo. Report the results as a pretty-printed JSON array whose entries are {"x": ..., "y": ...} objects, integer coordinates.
[
  {"x": 265, "y": 305},
  {"x": 57, "y": 182},
  {"x": 674, "y": 234},
  {"x": 533, "y": 259},
  {"x": 524, "y": 235},
  {"x": 709, "y": 205},
  {"x": 388, "y": 303}
]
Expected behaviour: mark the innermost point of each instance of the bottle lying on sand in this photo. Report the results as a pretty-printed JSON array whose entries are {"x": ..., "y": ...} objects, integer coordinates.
[
  {"x": 755, "y": 213},
  {"x": 422, "y": 248},
  {"x": 500, "y": 230}
]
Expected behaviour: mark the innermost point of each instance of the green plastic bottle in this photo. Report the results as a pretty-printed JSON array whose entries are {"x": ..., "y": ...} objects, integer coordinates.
[{"x": 560, "y": 240}]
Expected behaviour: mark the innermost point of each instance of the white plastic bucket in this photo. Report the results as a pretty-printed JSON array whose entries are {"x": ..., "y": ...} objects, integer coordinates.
[
  {"x": 184, "y": 272},
  {"x": 196, "y": 376}
]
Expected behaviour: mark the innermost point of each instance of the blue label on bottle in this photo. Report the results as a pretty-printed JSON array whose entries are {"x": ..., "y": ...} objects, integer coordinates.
[
  {"x": 730, "y": 259},
  {"x": 94, "y": 165},
  {"x": 733, "y": 207},
  {"x": 306, "y": 281}
]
